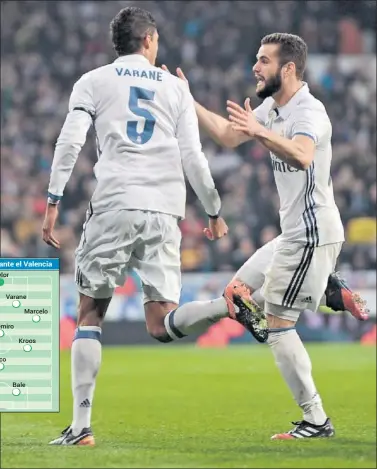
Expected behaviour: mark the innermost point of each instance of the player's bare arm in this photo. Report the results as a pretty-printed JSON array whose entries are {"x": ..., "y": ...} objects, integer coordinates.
[
  {"x": 297, "y": 152},
  {"x": 216, "y": 126},
  {"x": 219, "y": 128}
]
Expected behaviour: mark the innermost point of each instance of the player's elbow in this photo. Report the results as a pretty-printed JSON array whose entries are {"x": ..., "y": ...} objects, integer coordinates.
[
  {"x": 67, "y": 147},
  {"x": 229, "y": 143},
  {"x": 304, "y": 161},
  {"x": 228, "y": 137},
  {"x": 303, "y": 152},
  {"x": 223, "y": 138},
  {"x": 303, "y": 164},
  {"x": 303, "y": 158}
]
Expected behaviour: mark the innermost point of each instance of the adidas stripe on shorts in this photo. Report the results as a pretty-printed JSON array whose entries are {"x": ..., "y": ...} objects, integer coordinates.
[{"x": 291, "y": 275}]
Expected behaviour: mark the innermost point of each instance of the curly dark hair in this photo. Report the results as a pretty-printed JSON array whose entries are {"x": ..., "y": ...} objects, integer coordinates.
[
  {"x": 129, "y": 28},
  {"x": 292, "y": 49}
]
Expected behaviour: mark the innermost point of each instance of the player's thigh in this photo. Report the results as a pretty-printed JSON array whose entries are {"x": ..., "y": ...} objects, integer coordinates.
[
  {"x": 103, "y": 255},
  {"x": 253, "y": 271},
  {"x": 297, "y": 278},
  {"x": 157, "y": 259},
  {"x": 322, "y": 265}
]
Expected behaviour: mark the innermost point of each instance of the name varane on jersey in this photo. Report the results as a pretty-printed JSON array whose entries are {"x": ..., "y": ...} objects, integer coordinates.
[{"x": 147, "y": 139}]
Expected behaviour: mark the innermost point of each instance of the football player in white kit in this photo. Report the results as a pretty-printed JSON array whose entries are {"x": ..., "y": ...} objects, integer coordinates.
[
  {"x": 294, "y": 271},
  {"x": 147, "y": 138}
]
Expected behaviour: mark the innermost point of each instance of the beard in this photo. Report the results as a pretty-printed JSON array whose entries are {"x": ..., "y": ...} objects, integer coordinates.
[{"x": 271, "y": 86}]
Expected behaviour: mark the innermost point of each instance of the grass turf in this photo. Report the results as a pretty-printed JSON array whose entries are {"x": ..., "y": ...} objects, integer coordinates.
[{"x": 173, "y": 406}]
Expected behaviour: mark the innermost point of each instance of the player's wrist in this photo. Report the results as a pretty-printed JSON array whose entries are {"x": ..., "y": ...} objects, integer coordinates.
[
  {"x": 213, "y": 217},
  {"x": 260, "y": 132},
  {"x": 53, "y": 199},
  {"x": 52, "y": 202}
]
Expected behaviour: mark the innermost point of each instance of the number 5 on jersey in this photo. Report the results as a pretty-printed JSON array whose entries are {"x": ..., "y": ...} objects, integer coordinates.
[{"x": 137, "y": 93}]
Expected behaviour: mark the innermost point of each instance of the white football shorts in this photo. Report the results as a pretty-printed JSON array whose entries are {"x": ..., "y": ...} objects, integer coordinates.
[
  {"x": 292, "y": 276},
  {"x": 114, "y": 242}
]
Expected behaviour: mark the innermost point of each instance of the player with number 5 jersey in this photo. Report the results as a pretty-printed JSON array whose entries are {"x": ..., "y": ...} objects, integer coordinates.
[
  {"x": 147, "y": 134},
  {"x": 147, "y": 141}
]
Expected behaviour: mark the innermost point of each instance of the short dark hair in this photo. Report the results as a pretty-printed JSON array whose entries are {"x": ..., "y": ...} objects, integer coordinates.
[
  {"x": 129, "y": 28},
  {"x": 292, "y": 49}
]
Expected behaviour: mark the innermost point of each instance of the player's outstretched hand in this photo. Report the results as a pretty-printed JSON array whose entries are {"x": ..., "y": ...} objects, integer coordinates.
[
  {"x": 49, "y": 224},
  {"x": 180, "y": 73},
  {"x": 217, "y": 228},
  {"x": 243, "y": 119}
]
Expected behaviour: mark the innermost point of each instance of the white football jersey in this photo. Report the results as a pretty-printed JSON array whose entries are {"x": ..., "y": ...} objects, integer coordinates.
[
  {"x": 147, "y": 138},
  {"x": 308, "y": 212}
]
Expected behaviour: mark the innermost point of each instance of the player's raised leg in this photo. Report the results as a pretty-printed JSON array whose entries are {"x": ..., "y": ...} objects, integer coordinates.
[
  {"x": 338, "y": 295},
  {"x": 237, "y": 302},
  {"x": 158, "y": 266},
  {"x": 167, "y": 322}
]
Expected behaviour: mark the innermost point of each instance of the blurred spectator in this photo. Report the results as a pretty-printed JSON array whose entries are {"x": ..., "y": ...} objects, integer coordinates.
[{"x": 47, "y": 46}]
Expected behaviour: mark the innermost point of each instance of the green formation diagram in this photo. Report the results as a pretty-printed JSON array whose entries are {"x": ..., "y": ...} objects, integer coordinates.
[{"x": 29, "y": 335}]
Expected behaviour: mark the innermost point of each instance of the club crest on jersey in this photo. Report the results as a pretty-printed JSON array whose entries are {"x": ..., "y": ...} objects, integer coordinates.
[{"x": 281, "y": 166}]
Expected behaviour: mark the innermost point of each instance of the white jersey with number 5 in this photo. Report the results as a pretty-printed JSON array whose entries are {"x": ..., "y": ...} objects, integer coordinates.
[
  {"x": 308, "y": 213},
  {"x": 147, "y": 138}
]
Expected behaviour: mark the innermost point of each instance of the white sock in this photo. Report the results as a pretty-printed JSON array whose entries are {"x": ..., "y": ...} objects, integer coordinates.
[
  {"x": 85, "y": 362},
  {"x": 194, "y": 317},
  {"x": 294, "y": 363}
]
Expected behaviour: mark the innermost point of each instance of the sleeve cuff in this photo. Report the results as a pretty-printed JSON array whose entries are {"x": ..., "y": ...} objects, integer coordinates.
[
  {"x": 53, "y": 199},
  {"x": 306, "y": 135}
]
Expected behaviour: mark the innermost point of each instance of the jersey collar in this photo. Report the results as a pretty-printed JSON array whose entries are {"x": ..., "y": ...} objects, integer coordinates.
[
  {"x": 286, "y": 110},
  {"x": 132, "y": 58}
]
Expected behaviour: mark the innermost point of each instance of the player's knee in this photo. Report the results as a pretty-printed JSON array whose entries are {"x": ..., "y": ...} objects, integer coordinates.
[
  {"x": 278, "y": 329},
  {"x": 275, "y": 322},
  {"x": 91, "y": 311},
  {"x": 280, "y": 317},
  {"x": 159, "y": 333},
  {"x": 237, "y": 279}
]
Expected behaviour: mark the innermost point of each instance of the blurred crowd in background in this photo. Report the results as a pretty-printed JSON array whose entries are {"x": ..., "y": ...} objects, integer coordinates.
[{"x": 47, "y": 46}]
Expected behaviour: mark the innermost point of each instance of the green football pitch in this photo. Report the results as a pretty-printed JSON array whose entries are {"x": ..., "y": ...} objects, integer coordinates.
[{"x": 181, "y": 406}]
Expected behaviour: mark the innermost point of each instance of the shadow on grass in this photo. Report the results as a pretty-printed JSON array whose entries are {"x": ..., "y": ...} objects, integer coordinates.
[{"x": 336, "y": 448}]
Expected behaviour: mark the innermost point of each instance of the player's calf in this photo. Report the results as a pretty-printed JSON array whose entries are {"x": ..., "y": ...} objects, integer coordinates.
[
  {"x": 167, "y": 322},
  {"x": 295, "y": 366},
  {"x": 86, "y": 354},
  {"x": 155, "y": 313}
]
